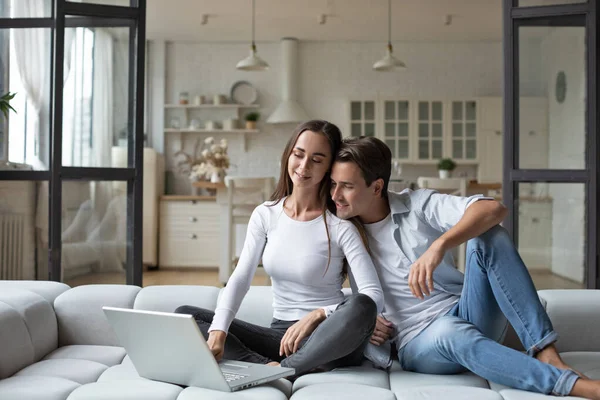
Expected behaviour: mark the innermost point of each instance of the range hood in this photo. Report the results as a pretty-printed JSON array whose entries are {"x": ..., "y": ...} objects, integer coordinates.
[{"x": 289, "y": 111}]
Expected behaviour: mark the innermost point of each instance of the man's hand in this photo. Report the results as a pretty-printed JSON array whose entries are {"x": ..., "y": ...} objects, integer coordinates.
[
  {"x": 420, "y": 277},
  {"x": 301, "y": 329},
  {"x": 383, "y": 330},
  {"x": 216, "y": 343}
]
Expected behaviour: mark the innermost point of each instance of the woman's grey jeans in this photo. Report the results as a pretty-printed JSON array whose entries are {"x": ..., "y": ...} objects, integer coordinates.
[{"x": 338, "y": 341}]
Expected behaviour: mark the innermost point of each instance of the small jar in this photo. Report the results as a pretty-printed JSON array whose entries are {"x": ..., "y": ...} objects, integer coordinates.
[{"x": 184, "y": 98}]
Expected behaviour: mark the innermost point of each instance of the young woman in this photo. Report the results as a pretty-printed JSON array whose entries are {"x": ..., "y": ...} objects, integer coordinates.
[{"x": 304, "y": 248}]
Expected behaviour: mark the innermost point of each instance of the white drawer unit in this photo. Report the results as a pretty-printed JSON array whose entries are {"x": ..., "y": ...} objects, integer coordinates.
[
  {"x": 535, "y": 233},
  {"x": 189, "y": 233}
]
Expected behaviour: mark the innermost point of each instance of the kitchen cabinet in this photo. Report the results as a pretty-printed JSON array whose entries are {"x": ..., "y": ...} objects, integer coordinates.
[{"x": 535, "y": 232}]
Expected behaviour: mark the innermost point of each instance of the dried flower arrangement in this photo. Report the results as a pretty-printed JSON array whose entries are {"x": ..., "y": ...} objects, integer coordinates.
[{"x": 204, "y": 163}]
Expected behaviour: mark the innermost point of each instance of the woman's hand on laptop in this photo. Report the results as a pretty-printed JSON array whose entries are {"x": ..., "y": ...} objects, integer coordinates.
[
  {"x": 216, "y": 343},
  {"x": 301, "y": 329}
]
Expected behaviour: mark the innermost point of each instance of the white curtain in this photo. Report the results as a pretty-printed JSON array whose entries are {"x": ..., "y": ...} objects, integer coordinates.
[
  {"x": 102, "y": 116},
  {"x": 31, "y": 49}
]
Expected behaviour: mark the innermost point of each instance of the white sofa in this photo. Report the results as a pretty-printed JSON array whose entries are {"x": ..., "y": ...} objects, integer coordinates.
[{"x": 56, "y": 344}]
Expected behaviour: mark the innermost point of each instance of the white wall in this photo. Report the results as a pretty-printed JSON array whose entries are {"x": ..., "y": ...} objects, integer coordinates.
[
  {"x": 331, "y": 73},
  {"x": 564, "y": 50}
]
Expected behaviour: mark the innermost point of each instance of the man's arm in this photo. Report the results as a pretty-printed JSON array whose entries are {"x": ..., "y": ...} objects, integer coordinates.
[{"x": 478, "y": 218}]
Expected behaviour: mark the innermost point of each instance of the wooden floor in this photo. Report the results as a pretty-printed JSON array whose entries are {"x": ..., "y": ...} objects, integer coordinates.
[{"x": 209, "y": 277}]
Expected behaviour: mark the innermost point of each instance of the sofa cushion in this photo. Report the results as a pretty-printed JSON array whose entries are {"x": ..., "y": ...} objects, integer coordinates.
[
  {"x": 47, "y": 289},
  {"x": 257, "y": 306},
  {"x": 36, "y": 388},
  {"x": 107, "y": 355},
  {"x": 80, "y": 316},
  {"x": 400, "y": 379},
  {"x": 514, "y": 394},
  {"x": 346, "y": 391},
  {"x": 262, "y": 392},
  {"x": 80, "y": 371},
  {"x": 126, "y": 390},
  {"x": 575, "y": 316},
  {"x": 28, "y": 329},
  {"x": 168, "y": 298},
  {"x": 119, "y": 373},
  {"x": 366, "y": 374},
  {"x": 586, "y": 362},
  {"x": 447, "y": 393}
]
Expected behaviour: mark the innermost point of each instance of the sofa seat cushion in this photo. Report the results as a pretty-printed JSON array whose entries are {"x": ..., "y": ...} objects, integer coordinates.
[
  {"x": 121, "y": 372},
  {"x": 36, "y": 388},
  {"x": 453, "y": 392},
  {"x": 107, "y": 355},
  {"x": 400, "y": 379},
  {"x": 126, "y": 390},
  {"x": 346, "y": 391},
  {"x": 80, "y": 371},
  {"x": 366, "y": 374},
  {"x": 514, "y": 394},
  {"x": 262, "y": 392}
]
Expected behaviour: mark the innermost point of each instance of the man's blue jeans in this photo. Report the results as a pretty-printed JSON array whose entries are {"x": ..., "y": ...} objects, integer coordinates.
[{"x": 497, "y": 286}]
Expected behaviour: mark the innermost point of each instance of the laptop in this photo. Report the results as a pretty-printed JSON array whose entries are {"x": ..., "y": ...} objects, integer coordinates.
[{"x": 170, "y": 348}]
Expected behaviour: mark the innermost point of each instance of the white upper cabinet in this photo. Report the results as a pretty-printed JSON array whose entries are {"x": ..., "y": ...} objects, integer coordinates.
[
  {"x": 396, "y": 128},
  {"x": 430, "y": 130},
  {"x": 363, "y": 118},
  {"x": 463, "y": 144}
]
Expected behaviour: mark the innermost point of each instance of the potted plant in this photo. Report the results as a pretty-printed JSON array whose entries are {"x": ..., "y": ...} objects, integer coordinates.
[
  {"x": 445, "y": 167},
  {"x": 251, "y": 119},
  {"x": 5, "y": 106}
]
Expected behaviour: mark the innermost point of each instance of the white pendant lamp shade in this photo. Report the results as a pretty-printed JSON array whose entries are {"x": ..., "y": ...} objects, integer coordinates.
[
  {"x": 389, "y": 62},
  {"x": 253, "y": 62}
]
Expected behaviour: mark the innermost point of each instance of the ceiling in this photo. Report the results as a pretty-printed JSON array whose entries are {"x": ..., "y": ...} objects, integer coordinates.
[{"x": 347, "y": 20}]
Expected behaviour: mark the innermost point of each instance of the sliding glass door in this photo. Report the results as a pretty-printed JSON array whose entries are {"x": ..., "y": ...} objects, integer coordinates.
[{"x": 551, "y": 138}]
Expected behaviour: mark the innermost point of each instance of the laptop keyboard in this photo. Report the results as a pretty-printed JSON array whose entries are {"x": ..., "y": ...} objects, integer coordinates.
[{"x": 229, "y": 377}]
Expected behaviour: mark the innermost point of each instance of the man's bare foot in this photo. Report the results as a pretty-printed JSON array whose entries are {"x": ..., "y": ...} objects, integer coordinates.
[
  {"x": 549, "y": 355},
  {"x": 586, "y": 388},
  {"x": 274, "y": 364}
]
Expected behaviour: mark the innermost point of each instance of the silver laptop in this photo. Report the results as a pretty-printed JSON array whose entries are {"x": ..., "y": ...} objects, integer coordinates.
[{"x": 170, "y": 348}]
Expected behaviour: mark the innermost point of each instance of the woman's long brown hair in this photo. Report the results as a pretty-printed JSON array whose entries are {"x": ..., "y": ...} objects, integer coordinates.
[{"x": 285, "y": 185}]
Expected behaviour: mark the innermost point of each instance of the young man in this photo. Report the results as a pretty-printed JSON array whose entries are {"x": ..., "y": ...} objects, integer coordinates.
[{"x": 440, "y": 321}]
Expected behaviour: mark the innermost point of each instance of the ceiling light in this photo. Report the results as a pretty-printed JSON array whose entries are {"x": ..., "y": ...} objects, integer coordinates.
[
  {"x": 389, "y": 62},
  {"x": 253, "y": 62}
]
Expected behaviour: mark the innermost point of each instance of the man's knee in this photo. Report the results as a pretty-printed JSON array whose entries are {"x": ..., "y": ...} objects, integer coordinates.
[{"x": 495, "y": 237}]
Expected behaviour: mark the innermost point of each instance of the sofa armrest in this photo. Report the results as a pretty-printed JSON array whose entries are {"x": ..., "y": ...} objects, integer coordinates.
[{"x": 575, "y": 314}]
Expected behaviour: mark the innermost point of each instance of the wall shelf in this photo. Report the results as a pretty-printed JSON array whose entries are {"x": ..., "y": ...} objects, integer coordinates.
[
  {"x": 169, "y": 130},
  {"x": 211, "y": 106},
  {"x": 242, "y": 132}
]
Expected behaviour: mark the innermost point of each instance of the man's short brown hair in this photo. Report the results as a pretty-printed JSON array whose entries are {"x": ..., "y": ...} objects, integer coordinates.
[{"x": 372, "y": 156}]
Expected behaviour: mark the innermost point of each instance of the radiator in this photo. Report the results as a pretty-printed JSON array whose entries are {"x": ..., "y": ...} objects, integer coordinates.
[{"x": 12, "y": 237}]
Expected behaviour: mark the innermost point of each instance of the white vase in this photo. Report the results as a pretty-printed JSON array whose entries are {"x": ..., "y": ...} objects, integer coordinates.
[
  {"x": 215, "y": 177},
  {"x": 444, "y": 173}
]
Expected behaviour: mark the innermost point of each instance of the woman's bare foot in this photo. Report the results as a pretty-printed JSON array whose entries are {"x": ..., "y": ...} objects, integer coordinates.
[
  {"x": 586, "y": 388},
  {"x": 549, "y": 355},
  {"x": 273, "y": 364}
]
